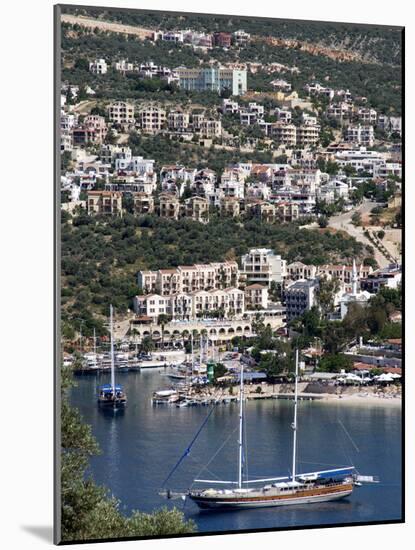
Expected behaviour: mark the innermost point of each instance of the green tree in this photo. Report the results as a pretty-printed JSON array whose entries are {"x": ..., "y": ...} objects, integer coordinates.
[
  {"x": 162, "y": 321},
  {"x": 335, "y": 363},
  {"x": 327, "y": 290},
  {"x": 357, "y": 219}
]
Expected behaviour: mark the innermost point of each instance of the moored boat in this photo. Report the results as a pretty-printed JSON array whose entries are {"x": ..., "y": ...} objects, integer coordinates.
[
  {"x": 112, "y": 394},
  {"x": 296, "y": 488}
]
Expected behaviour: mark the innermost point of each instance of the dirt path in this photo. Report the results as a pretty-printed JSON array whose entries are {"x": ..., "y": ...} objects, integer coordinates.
[
  {"x": 84, "y": 107},
  {"x": 343, "y": 222},
  {"x": 90, "y": 23}
]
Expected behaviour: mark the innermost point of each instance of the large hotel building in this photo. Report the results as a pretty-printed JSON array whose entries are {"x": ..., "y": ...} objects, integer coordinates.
[{"x": 213, "y": 79}]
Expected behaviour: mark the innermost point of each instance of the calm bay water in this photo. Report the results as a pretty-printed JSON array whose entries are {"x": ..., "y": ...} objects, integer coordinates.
[{"x": 141, "y": 445}]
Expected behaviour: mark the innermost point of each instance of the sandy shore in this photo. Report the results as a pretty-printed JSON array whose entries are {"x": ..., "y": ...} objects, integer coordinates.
[
  {"x": 369, "y": 396},
  {"x": 361, "y": 399}
]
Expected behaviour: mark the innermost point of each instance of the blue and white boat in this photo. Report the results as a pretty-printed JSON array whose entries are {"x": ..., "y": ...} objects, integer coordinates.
[{"x": 112, "y": 394}]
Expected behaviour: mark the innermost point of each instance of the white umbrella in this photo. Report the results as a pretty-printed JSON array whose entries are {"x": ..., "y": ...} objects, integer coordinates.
[
  {"x": 385, "y": 378},
  {"x": 353, "y": 377}
]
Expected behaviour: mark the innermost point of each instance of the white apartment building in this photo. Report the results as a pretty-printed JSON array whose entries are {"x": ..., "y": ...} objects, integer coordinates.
[
  {"x": 360, "y": 159},
  {"x": 152, "y": 120},
  {"x": 230, "y": 107},
  {"x": 98, "y": 66},
  {"x": 176, "y": 173},
  {"x": 387, "y": 169},
  {"x": 309, "y": 120},
  {"x": 361, "y": 135},
  {"x": 333, "y": 190},
  {"x": 317, "y": 89},
  {"x": 299, "y": 271},
  {"x": 240, "y": 38},
  {"x": 232, "y": 188},
  {"x": 258, "y": 190},
  {"x": 138, "y": 165},
  {"x": 256, "y": 296},
  {"x": 203, "y": 183},
  {"x": 307, "y": 135},
  {"x": 178, "y": 121},
  {"x": 187, "y": 279},
  {"x": 123, "y": 66},
  {"x": 390, "y": 124},
  {"x": 283, "y": 134},
  {"x": 121, "y": 112},
  {"x": 339, "y": 110},
  {"x": 257, "y": 109},
  {"x": 198, "y": 304},
  {"x": 262, "y": 265},
  {"x": 283, "y": 115},
  {"x": 367, "y": 115},
  {"x": 68, "y": 121},
  {"x": 282, "y": 85},
  {"x": 246, "y": 118},
  {"x": 207, "y": 127},
  {"x": 171, "y": 36},
  {"x": 108, "y": 153}
]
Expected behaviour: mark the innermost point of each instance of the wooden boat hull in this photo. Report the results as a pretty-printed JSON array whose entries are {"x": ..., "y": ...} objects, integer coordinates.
[{"x": 264, "y": 501}]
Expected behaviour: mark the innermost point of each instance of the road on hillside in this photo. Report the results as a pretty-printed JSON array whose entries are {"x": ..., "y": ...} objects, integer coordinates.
[
  {"x": 343, "y": 222},
  {"x": 108, "y": 26}
]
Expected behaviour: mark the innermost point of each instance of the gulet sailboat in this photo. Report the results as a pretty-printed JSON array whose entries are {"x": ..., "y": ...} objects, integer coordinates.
[
  {"x": 112, "y": 394},
  {"x": 297, "y": 488}
]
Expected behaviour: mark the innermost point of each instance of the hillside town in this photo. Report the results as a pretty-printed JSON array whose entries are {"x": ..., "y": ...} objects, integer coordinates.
[
  {"x": 230, "y": 231},
  {"x": 334, "y": 164}
]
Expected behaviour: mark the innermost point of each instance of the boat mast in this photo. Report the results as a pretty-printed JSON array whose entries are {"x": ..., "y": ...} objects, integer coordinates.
[
  {"x": 193, "y": 356},
  {"x": 95, "y": 350},
  {"x": 241, "y": 411},
  {"x": 294, "y": 424},
  {"x": 112, "y": 354}
]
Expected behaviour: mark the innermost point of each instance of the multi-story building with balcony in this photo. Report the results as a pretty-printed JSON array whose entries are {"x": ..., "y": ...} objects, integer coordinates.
[
  {"x": 307, "y": 135},
  {"x": 98, "y": 66},
  {"x": 169, "y": 206},
  {"x": 287, "y": 212},
  {"x": 299, "y": 271},
  {"x": 197, "y": 208},
  {"x": 143, "y": 203},
  {"x": 241, "y": 38},
  {"x": 188, "y": 279},
  {"x": 123, "y": 66},
  {"x": 283, "y": 134},
  {"x": 230, "y": 107},
  {"x": 222, "y": 39},
  {"x": 361, "y": 135},
  {"x": 200, "y": 303},
  {"x": 300, "y": 297},
  {"x": 339, "y": 110},
  {"x": 230, "y": 206},
  {"x": 178, "y": 121},
  {"x": 256, "y": 296},
  {"x": 152, "y": 120},
  {"x": 121, "y": 112},
  {"x": 367, "y": 115},
  {"x": 104, "y": 202},
  {"x": 263, "y": 266}
]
